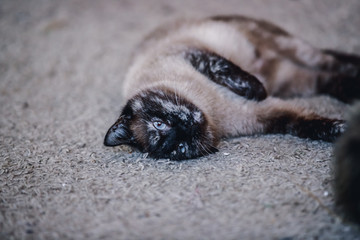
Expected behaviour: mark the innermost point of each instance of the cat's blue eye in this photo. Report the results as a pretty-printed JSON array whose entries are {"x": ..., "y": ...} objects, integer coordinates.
[{"x": 160, "y": 125}]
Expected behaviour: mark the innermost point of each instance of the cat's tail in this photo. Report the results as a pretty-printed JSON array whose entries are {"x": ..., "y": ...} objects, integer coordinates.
[{"x": 347, "y": 168}]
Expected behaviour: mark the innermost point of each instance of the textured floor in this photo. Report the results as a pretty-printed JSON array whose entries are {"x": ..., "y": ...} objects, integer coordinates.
[{"x": 61, "y": 65}]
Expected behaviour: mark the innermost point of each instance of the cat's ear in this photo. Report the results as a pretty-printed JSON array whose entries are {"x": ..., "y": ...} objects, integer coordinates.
[{"x": 119, "y": 133}]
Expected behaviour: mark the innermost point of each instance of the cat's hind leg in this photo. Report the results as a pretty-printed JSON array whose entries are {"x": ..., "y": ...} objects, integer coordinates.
[
  {"x": 338, "y": 75},
  {"x": 304, "y": 67},
  {"x": 328, "y": 72},
  {"x": 342, "y": 80},
  {"x": 344, "y": 58}
]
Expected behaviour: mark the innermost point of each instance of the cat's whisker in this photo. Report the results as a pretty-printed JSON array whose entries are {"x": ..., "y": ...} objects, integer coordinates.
[{"x": 203, "y": 148}]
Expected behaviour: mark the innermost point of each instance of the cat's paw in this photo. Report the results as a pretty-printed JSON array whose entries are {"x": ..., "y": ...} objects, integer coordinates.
[{"x": 321, "y": 129}]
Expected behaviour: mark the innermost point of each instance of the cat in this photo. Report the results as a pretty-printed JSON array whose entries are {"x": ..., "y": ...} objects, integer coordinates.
[
  {"x": 347, "y": 168},
  {"x": 192, "y": 82}
]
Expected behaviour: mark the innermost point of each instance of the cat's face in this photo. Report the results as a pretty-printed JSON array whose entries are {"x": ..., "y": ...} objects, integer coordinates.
[{"x": 164, "y": 125}]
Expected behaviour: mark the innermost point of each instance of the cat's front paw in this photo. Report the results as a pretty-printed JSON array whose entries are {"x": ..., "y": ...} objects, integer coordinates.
[{"x": 320, "y": 129}]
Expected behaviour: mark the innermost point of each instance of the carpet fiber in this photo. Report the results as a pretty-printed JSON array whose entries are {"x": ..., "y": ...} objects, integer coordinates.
[{"x": 61, "y": 67}]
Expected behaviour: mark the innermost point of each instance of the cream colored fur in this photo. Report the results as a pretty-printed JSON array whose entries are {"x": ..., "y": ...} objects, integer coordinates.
[{"x": 159, "y": 62}]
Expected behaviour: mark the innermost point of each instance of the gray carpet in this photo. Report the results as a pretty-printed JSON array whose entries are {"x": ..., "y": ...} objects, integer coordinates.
[{"x": 61, "y": 65}]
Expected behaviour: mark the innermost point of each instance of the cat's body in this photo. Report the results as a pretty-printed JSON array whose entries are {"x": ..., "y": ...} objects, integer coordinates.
[{"x": 192, "y": 83}]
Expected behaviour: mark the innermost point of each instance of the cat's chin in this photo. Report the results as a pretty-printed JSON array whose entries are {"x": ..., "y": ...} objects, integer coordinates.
[{"x": 197, "y": 153}]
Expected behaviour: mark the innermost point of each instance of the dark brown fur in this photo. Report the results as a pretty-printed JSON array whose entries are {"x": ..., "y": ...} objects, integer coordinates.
[{"x": 347, "y": 168}]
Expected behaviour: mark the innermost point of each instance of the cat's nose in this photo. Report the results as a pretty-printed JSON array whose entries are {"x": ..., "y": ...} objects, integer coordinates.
[{"x": 182, "y": 148}]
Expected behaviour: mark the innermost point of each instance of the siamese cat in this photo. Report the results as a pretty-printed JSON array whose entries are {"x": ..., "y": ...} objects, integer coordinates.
[
  {"x": 347, "y": 168},
  {"x": 193, "y": 82}
]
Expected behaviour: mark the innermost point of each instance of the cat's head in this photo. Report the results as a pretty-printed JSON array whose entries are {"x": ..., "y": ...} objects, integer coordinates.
[{"x": 163, "y": 124}]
